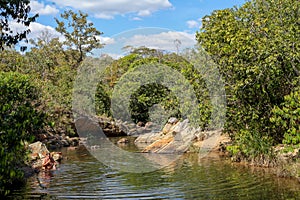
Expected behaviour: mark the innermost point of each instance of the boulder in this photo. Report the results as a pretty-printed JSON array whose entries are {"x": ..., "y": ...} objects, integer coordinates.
[
  {"x": 38, "y": 152},
  {"x": 177, "y": 137},
  {"x": 174, "y": 138}
]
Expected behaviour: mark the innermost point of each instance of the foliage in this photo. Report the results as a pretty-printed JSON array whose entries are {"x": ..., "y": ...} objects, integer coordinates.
[
  {"x": 287, "y": 117},
  {"x": 12, "y": 60},
  {"x": 257, "y": 49},
  {"x": 19, "y": 120},
  {"x": 252, "y": 144},
  {"x": 57, "y": 95},
  {"x": 16, "y": 11},
  {"x": 147, "y": 96},
  {"x": 46, "y": 55},
  {"x": 153, "y": 96},
  {"x": 81, "y": 36}
]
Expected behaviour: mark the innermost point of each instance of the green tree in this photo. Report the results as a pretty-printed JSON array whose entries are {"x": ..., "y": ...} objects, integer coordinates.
[
  {"x": 19, "y": 119},
  {"x": 81, "y": 36},
  {"x": 257, "y": 49},
  {"x": 12, "y": 60},
  {"x": 155, "y": 94},
  {"x": 16, "y": 11},
  {"x": 46, "y": 55}
]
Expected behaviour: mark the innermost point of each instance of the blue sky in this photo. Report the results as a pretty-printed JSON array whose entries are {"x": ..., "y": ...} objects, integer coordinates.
[{"x": 116, "y": 16}]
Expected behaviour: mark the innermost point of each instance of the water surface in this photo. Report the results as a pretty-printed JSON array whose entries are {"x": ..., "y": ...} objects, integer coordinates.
[{"x": 80, "y": 176}]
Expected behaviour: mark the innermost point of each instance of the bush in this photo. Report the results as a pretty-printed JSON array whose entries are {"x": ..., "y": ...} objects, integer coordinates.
[
  {"x": 19, "y": 120},
  {"x": 287, "y": 118}
]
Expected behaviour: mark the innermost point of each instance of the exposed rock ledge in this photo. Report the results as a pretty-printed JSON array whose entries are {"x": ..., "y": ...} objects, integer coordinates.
[{"x": 180, "y": 137}]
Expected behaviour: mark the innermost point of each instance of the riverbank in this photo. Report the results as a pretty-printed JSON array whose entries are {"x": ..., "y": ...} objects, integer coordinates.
[{"x": 178, "y": 137}]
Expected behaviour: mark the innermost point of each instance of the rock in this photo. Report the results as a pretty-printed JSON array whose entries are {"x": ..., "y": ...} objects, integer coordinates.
[
  {"x": 65, "y": 143},
  {"x": 123, "y": 141},
  {"x": 173, "y": 120},
  {"x": 140, "y": 124},
  {"x": 57, "y": 156},
  {"x": 38, "y": 148},
  {"x": 72, "y": 148},
  {"x": 75, "y": 141},
  {"x": 159, "y": 144},
  {"x": 177, "y": 137},
  {"x": 38, "y": 152},
  {"x": 34, "y": 156},
  {"x": 167, "y": 128},
  {"x": 149, "y": 125}
]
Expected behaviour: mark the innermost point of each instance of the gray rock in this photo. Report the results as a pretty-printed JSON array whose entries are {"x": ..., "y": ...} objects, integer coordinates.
[{"x": 173, "y": 120}]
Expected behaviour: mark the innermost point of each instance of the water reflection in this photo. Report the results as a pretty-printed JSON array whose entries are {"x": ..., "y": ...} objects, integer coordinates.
[{"x": 83, "y": 177}]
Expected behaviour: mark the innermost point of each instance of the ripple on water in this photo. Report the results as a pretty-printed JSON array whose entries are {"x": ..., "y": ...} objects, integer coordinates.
[{"x": 84, "y": 178}]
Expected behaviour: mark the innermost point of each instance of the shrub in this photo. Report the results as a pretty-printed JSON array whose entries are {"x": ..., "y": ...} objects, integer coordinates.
[
  {"x": 19, "y": 120},
  {"x": 287, "y": 118}
]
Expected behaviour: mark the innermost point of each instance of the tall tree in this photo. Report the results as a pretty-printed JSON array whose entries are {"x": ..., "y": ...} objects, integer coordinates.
[
  {"x": 81, "y": 36},
  {"x": 14, "y": 11}
]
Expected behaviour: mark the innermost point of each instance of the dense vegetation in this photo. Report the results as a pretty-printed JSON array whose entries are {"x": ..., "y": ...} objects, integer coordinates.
[
  {"x": 155, "y": 93},
  {"x": 256, "y": 49},
  {"x": 19, "y": 118},
  {"x": 36, "y": 86}
]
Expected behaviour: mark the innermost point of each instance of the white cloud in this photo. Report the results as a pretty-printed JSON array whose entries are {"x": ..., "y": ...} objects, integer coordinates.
[
  {"x": 143, "y": 13},
  {"x": 149, "y": 37},
  {"x": 163, "y": 40},
  {"x": 107, "y": 9},
  {"x": 194, "y": 23},
  {"x": 136, "y": 18},
  {"x": 106, "y": 40},
  {"x": 104, "y": 16},
  {"x": 42, "y": 9},
  {"x": 36, "y": 30}
]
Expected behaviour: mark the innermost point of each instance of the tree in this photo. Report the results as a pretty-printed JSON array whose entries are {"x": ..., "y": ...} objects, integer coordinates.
[
  {"x": 81, "y": 36},
  {"x": 154, "y": 95},
  {"x": 257, "y": 50},
  {"x": 46, "y": 54},
  {"x": 16, "y": 11}
]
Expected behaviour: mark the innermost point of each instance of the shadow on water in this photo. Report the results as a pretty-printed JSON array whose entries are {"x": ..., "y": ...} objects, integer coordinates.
[{"x": 80, "y": 176}]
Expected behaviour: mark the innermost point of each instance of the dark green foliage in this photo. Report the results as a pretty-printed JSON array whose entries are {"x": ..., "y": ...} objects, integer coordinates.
[
  {"x": 18, "y": 11},
  {"x": 102, "y": 101},
  {"x": 147, "y": 96},
  {"x": 19, "y": 121},
  {"x": 286, "y": 118}
]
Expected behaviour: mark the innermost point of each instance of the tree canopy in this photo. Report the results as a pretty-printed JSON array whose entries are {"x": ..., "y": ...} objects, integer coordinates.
[
  {"x": 81, "y": 36},
  {"x": 257, "y": 49}
]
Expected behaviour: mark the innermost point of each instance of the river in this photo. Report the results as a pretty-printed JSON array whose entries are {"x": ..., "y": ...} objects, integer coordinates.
[{"x": 81, "y": 176}]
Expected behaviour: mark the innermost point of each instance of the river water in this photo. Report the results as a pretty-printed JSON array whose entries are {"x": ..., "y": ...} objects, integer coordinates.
[{"x": 81, "y": 176}]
